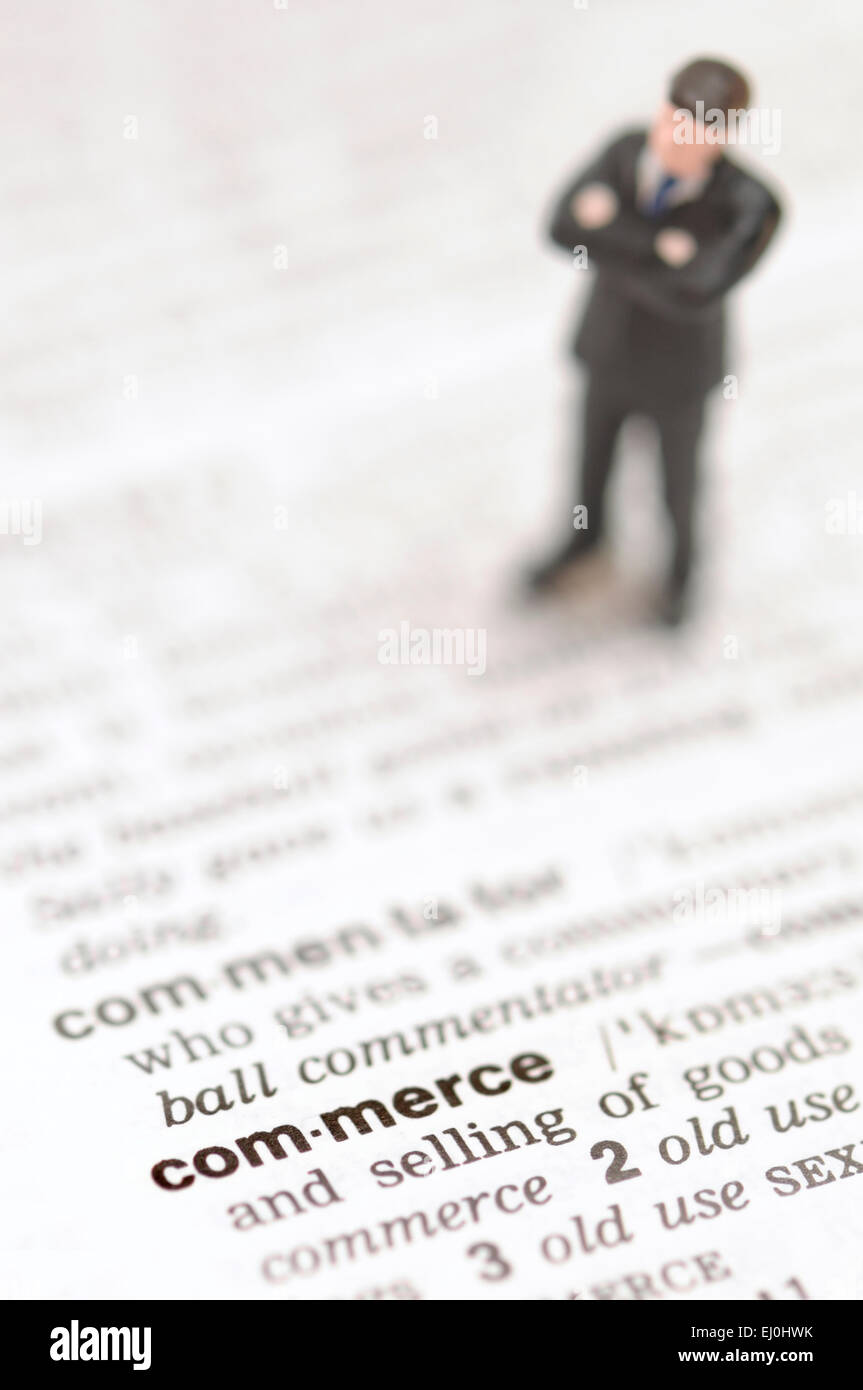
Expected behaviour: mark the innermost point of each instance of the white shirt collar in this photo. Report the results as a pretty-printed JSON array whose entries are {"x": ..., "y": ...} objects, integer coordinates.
[{"x": 649, "y": 175}]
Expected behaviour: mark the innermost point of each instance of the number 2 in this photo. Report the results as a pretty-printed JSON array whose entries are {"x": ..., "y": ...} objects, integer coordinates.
[{"x": 615, "y": 1171}]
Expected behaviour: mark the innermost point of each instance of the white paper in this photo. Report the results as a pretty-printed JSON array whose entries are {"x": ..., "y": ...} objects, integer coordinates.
[{"x": 281, "y": 398}]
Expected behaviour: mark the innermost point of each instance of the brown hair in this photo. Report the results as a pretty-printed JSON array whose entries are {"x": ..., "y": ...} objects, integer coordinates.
[{"x": 718, "y": 85}]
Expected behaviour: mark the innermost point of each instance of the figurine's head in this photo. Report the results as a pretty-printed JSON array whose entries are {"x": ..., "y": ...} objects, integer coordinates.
[{"x": 692, "y": 125}]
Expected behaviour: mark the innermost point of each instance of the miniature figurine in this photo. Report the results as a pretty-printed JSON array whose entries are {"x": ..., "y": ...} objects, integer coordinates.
[{"x": 670, "y": 224}]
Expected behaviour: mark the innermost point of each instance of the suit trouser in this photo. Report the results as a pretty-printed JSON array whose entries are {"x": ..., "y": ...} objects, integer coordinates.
[{"x": 679, "y": 423}]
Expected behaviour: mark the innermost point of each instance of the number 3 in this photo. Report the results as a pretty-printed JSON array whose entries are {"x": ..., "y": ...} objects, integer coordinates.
[{"x": 498, "y": 1268}]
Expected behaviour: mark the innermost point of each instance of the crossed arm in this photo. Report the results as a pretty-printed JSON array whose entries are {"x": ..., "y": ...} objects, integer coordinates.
[{"x": 626, "y": 245}]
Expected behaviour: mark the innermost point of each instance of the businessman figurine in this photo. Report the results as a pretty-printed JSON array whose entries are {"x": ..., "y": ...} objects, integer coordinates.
[{"x": 669, "y": 224}]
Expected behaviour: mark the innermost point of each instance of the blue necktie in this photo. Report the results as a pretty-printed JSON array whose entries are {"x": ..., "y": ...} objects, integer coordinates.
[{"x": 660, "y": 197}]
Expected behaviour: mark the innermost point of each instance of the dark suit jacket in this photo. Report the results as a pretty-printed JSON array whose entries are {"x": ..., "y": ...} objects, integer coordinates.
[{"x": 660, "y": 331}]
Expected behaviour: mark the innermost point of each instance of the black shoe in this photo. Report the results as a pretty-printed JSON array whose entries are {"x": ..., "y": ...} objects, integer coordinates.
[
  {"x": 539, "y": 578},
  {"x": 674, "y": 603}
]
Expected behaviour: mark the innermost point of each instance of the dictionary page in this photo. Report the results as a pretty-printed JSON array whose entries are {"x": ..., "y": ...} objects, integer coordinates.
[{"x": 331, "y": 868}]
